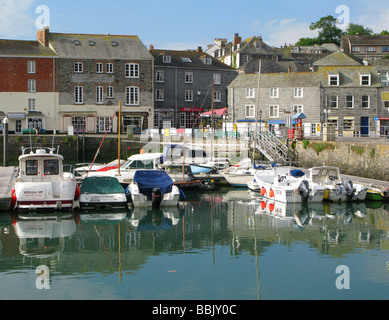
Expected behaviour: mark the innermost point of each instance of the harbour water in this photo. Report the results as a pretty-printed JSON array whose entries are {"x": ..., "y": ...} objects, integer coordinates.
[{"x": 221, "y": 245}]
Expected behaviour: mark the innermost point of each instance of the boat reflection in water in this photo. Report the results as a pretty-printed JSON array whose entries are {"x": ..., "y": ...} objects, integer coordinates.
[
  {"x": 189, "y": 251},
  {"x": 143, "y": 219},
  {"x": 302, "y": 214},
  {"x": 43, "y": 235}
]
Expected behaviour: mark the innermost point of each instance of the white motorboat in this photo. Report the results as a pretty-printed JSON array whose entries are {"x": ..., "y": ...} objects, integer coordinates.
[
  {"x": 84, "y": 168},
  {"x": 337, "y": 189},
  {"x": 288, "y": 185},
  {"x": 102, "y": 193},
  {"x": 42, "y": 182},
  {"x": 145, "y": 161},
  {"x": 242, "y": 173},
  {"x": 153, "y": 188}
]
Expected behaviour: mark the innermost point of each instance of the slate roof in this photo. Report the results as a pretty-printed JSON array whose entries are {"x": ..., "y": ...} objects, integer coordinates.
[
  {"x": 269, "y": 66},
  {"x": 338, "y": 58},
  {"x": 19, "y": 48},
  {"x": 277, "y": 80},
  {"x": 97, "y": 46},
  {"x": 196, "y": 60},
  {"x": 349, "y": 76}
]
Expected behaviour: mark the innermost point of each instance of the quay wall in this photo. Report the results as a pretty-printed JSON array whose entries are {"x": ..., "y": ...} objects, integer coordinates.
[
  {"x": 356, "y": 159},
  {"x": 74, "y": 149}
]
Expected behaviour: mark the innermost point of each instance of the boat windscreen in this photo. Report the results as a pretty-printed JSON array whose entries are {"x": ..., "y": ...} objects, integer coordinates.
[{"x": 101, "y": 185}]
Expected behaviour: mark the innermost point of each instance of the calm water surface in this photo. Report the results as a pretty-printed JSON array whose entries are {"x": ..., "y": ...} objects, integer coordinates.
[{"x": 222, "y": 245}]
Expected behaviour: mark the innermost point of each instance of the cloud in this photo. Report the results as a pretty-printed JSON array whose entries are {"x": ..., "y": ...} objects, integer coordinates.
[
  {"x": 376, "y": 18},
  {"x": 285, "y": 31},
  {"x": 16, "y": 19}
]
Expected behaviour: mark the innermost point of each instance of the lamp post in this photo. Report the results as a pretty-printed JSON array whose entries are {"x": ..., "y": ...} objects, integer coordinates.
[{"x": 5, "y": 144}]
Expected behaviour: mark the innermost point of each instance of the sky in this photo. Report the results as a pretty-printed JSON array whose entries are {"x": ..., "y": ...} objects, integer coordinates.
[{"x": 184, "y": 24}]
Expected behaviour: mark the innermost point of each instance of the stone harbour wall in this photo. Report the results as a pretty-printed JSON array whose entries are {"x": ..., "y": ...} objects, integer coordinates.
[{"x": 363, "y": 160}]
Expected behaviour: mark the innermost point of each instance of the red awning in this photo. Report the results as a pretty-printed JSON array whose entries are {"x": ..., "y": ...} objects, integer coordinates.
[{"x": 217, "y": 112}]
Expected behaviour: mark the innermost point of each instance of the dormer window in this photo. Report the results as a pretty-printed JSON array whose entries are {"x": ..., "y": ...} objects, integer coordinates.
[
  {"x": 114, "y": 44},
  {"x": 77, "y": 42},
  {"x": 167, "y": 59},
  {"x": 365, "y": 79},
  {"x": 92, "y": 43},
  {"x": 186, "y": 60},
  {"x": 333, "y": 80},
  {"x": 207, "y": 61}
]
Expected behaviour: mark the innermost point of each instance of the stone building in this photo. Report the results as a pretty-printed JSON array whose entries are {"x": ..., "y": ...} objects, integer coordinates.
[
  {"x": 281, "y": 96},
  {"x": 97, "y": 72},
  {"x": 184, "y": 82}
]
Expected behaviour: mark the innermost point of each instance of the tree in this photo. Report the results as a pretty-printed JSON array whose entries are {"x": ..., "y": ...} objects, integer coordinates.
[
  {"x": 384, "y": 33},
  {"x": 328, "y": 30},
  {"x": 306, "y": 42},
  {"x": 353, "y": 29}
]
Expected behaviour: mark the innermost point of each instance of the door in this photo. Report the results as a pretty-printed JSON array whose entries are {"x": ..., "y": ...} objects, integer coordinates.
[{"x": 364, "y": 126}]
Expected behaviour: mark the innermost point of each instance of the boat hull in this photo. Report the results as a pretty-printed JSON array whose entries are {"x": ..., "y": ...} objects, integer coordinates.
[
  {"x": 103, "y": 201},
  {"x": 290, "y": 195},
  {"x": 238, "y": 180},
  {"x": 198, "y": 169},
  {"x": 45, "y": 195},
  {"x": 138, "y": 199}
]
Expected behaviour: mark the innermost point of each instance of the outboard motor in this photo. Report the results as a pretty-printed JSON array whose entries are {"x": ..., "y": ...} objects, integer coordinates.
[
  {"x": 349, "y": 188},
  {"x": 156, "y": 198},
  {"x": 304, "y": 190}
]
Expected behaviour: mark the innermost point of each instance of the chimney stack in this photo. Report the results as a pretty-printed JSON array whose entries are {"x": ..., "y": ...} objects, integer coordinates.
[
  {"x": 237, "y": 39},
  {"x": 151, "y": 47},
  {"x": 199, "y": 49},
  {"x": 43, "y": 36}
]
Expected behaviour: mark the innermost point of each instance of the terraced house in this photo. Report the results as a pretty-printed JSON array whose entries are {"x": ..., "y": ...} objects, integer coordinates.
[
  {"x": 97, "y": 72},
  {"x": 63, "y": 82},
  {"x": 184, "y": 84},
  {"x": 28, "y": 91},
  {"x": 342, "y": 92}
]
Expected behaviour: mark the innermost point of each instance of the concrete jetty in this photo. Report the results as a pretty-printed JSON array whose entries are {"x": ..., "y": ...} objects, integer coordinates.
[{"x": 7, "y": 179}]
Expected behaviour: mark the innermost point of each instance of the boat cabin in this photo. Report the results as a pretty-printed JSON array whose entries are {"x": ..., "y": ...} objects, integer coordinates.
[{"x": 40, "y": 166}]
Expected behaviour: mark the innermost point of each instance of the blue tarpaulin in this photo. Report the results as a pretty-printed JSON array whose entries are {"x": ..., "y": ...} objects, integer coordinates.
[{"x": 147, "y": 180}]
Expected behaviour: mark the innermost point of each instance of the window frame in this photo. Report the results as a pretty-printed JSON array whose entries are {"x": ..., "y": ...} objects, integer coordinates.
[
  {"x": 274, "y": 111},
  {"x": 132, "y": 95},
  {"x": 31, "y": 67},
  {"x": 78, "y": 95},
  {"x": 78, "y": 67},
  {"x": 132, "y": 70}
]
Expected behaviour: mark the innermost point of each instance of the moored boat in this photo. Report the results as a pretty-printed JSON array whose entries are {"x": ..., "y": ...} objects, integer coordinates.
[
  {"x": 337, "y": 189},
  {"x": 289, "y": 186},
  {"x": 153, "y": 188},
  {"x": 42, "y": 182},
  {"x": 102, "y": 193}
]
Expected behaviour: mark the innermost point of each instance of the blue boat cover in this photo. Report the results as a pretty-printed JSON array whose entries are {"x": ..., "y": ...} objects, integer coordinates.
[
  {"x": 297, "y": 173},
  {"x": 101, "y": 185},
  {"x": 147, "y": 180}
]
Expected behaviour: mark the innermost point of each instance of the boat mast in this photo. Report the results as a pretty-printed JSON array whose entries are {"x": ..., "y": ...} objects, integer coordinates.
[
  {"x": 119, "y": 132},
  {"x": 256, "y": 111}
]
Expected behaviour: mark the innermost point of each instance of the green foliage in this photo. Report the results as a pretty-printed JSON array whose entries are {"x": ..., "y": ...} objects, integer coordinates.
[
  {"x": 305, "y": 143},
  {"x": 353, "y": 29},
  {"x": 321, "y": 146},
  {"x": 328, "y": 30},
  {"x": 303, "y": 42},
  {"x": 358, "y": 150},
  {"x": 372, "y": 153}
]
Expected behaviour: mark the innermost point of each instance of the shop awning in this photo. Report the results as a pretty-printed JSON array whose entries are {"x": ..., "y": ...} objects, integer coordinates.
[
  {"x": 217, "y": 112},
  {"x": 299, "y": 116},
  {"x": 16, "y": 116}
]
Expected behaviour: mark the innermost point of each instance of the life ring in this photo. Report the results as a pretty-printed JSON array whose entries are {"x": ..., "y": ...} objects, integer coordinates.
[
  {"x": 271, "y": 193},
  {"x": 263, "y": 192}
]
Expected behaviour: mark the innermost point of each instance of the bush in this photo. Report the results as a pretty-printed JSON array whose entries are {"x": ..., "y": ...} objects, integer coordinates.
[
  {"x": 305, "y": 143},
  {"x": 319, "y": 147}
]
